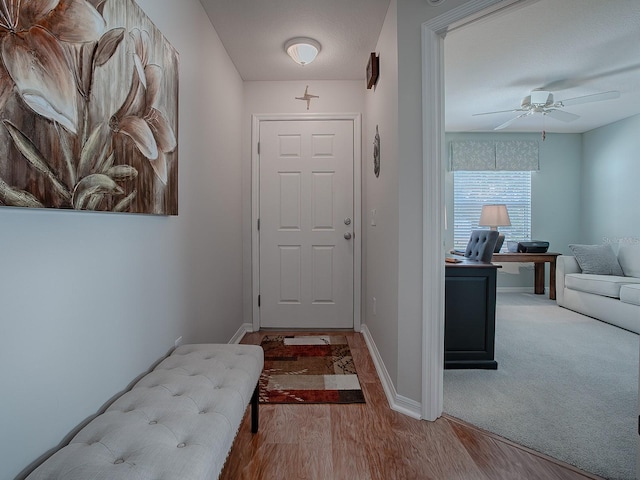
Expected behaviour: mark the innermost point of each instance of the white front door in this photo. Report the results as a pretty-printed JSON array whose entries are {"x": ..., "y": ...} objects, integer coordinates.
[{"x": 306, "y": 219}]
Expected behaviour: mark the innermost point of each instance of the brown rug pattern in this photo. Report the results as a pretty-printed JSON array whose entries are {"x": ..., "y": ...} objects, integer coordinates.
[{"x": 308, "y": 369}]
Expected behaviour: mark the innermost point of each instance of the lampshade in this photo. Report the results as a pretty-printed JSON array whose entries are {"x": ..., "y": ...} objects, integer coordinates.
[
  {"x": 494, "y": 216},
  {"x": 302, "y": 50}
]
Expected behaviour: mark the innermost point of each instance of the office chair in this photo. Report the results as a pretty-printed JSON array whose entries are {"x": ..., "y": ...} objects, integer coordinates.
[{"x": 481, "y": 245}]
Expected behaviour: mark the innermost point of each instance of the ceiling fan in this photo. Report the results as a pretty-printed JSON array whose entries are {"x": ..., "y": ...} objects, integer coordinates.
[{"x": 542, "y": 102}]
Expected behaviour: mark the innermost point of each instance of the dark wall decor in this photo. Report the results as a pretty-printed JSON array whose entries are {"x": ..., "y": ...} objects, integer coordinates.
[
  {"x": 88, "y": 108},
  {"x": 373, "y": 68},
  {"x": 376, "y": 153}
]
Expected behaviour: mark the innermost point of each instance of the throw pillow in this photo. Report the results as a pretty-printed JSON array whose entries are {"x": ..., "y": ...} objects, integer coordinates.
[{"x": 597, "y": 259}]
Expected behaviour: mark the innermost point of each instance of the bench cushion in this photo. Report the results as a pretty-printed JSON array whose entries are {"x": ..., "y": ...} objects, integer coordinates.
[
  {"x": 607, "y": 285},
  {"x": 178, "y": 422}
]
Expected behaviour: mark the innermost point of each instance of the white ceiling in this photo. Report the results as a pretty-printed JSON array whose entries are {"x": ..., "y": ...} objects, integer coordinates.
[
  {"x": 570, "y": 47},
  {"x": 254, "y": 33}
]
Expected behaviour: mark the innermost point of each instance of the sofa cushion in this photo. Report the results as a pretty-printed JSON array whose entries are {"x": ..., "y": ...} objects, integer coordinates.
[
  {"x": 629, "y": 259},
  {"x": 630, "y": 293},
  {"x": 597, "y": 259},
  {"x": 607, "y": 285}
]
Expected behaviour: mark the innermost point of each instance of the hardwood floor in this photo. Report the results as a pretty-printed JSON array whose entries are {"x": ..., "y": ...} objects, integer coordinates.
[{"x": 372, "y": 442}]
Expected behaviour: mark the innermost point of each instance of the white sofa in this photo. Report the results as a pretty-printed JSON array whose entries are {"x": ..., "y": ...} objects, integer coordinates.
[
  {"x": 610, "y": 298},
  {"x": 177, "y": 423}
]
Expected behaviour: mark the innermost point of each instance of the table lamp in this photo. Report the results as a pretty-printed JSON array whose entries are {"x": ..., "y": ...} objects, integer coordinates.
[{"x": 495, "y": 216}]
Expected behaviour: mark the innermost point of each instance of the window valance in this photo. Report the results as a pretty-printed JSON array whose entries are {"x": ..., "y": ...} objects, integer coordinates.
[{"x": 478, "y": 155}]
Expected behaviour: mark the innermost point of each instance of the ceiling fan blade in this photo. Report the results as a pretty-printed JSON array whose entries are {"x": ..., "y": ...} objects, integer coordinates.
[
  {"x": 499, "y": 111},
  {"x": 596, "y": 97},
  {"x": 562, "y": 115},
  {"x": 509, "y": 122}
]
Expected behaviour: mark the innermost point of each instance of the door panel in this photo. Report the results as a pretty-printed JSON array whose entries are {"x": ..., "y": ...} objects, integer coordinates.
[
  {"x": 290, "y": 278},
  {"x": 306, "y": 197},
  {"x": 322, "y": 201},
  {"x": 290, "y": 208}
]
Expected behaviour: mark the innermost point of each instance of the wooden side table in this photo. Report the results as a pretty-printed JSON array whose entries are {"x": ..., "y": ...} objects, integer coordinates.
[{"x": 538, "y": 260}]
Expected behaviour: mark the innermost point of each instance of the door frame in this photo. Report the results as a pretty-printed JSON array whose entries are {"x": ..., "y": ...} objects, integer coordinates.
[
  {"x": 434, "y": 155},
  {"x": 357, "y": 204}
]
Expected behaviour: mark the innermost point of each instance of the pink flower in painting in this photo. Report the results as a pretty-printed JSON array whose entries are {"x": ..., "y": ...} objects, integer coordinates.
[
  {"x": 34, "y": 61},
  {"x": 139, "y": 118}
]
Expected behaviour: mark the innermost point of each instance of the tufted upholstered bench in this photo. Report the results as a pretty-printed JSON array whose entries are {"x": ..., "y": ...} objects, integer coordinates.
[{"x": 178, "y": 422}]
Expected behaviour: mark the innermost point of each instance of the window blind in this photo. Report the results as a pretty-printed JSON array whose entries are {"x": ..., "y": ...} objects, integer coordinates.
[{"x": 472, "y": 189}]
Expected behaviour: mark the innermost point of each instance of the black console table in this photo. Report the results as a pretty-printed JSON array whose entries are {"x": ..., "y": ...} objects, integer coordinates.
[{"x": 470, "y": 315}]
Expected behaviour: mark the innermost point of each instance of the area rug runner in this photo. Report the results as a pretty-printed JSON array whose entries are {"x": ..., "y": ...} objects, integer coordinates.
[{"x": 308, "y": 369}]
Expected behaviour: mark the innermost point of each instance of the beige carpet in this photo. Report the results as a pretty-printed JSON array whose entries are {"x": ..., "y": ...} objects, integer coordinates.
[{"x": 566, "y": 386}]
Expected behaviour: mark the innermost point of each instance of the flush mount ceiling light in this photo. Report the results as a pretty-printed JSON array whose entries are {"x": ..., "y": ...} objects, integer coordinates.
[{"x": 302, "y": 50}]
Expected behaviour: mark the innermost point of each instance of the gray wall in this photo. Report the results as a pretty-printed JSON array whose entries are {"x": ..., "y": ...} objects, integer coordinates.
[
  {"x": 610, "y": 194},
  {"x": 90, "y": 301},
  {"x": 555, "y": 197}
]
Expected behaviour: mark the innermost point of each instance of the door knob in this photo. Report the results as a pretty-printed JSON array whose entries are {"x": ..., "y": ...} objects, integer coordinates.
[{"x": 347, "y": 236}]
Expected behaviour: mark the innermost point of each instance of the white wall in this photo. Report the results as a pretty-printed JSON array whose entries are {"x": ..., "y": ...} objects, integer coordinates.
[
  {"x": 90, "y": 301},
  {"x": 412, "y": 14},
  {"x": 392, "y": 263},
  {"x": 336, "y": 96},
  {"x": 274, "y": 97},
  {"x": 380, "y": 242}
]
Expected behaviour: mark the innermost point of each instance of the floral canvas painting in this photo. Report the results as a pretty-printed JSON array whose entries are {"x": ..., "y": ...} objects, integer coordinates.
[{"x": 88, "y": 108}]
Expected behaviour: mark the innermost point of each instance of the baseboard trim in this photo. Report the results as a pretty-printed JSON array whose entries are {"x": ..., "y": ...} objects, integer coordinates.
[
  {"x": 398, "y": 403},
  {"x": 242, "y": 331},
  {"x": 519, "y": 290}
]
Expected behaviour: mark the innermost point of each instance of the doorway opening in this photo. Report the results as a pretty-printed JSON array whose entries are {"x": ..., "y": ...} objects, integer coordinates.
[{"x": 433, "y": 111}]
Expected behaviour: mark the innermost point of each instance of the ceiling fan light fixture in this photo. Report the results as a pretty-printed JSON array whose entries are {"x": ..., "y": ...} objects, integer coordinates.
[
  {"x": 302, "y": 50},
  {"x": 541, "y": 97}
]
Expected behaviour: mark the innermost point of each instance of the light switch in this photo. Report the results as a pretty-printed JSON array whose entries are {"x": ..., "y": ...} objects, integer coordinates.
[{"x": 373, "y": 217}]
